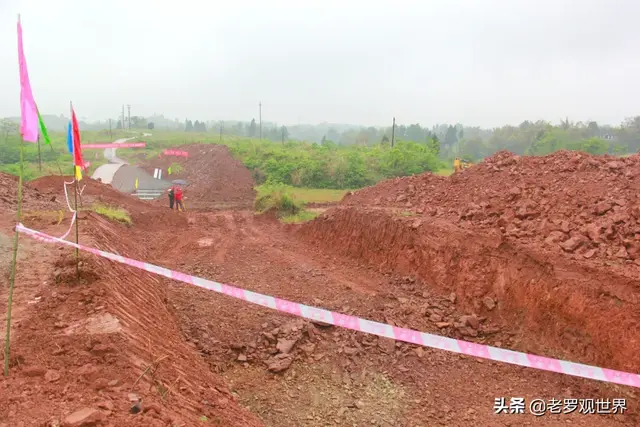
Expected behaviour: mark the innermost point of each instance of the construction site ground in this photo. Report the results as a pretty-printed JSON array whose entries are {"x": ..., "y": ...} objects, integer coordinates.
[{"x": 122, "y": 347}]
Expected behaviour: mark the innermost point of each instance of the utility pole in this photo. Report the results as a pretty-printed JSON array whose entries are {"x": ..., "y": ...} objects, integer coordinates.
[
  {"x": 221, "y": 129},
  {"x": 260, "y": 113},
  {"x": 282, "y": 134},
  {"x": 393, "y": 132},
  {"x": 129, "y": 110},
  {"x": 122, "y": 119},
  {"x": 110, "y": 135}
]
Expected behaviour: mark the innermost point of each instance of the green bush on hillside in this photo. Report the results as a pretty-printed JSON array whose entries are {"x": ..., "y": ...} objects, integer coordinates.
[
  {"x": 278, "y": 199},
  {"x": 331, "y": 166}
]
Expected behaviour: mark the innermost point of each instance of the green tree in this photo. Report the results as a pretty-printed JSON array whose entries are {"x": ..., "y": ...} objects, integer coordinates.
[
  {"x": 253, "y": 129},
  {"x": 434, "y": 145}
]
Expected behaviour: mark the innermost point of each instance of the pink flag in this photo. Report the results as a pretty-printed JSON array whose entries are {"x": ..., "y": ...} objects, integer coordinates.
[{"x": 29, "y": 112}]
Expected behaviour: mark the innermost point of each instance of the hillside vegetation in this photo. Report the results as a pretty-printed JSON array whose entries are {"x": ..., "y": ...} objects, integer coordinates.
[{"x": 352, "y": 158}]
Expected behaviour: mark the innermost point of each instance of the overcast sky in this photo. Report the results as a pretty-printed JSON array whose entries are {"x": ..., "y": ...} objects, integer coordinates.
[{"x": 477, "y": 62}]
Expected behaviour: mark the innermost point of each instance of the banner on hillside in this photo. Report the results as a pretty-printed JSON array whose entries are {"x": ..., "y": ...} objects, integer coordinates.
[
  {"x": 112, "y": 145},
  {"x": 175, "y": 153}
]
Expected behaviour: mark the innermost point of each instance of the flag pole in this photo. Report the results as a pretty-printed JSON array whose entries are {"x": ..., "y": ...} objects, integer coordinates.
[
  {"x": 14, "y": 260},
  {"x": 12, "y": 277},
  {"x": 75, "y": 198}
]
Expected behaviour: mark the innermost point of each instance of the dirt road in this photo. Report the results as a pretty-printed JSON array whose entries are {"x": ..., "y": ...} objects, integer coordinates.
[{"x": 121, "y": 338}]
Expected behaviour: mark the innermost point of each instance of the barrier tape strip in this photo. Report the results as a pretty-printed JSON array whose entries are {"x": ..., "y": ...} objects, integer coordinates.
[
  {"x": 116, "y": 145},
  {"x": 73, "y": 220},
  {"x": 367, "y": 326}
]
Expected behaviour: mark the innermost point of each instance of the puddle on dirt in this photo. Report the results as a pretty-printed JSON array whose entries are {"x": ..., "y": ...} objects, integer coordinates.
[{"x": 318, "y": 395}]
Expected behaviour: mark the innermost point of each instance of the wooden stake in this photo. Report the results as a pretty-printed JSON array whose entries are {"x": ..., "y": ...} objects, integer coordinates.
[{"x": 12, "y": 277}]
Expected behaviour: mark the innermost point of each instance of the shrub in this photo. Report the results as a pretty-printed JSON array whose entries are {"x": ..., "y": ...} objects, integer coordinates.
[{"x": 278, "y": 199}]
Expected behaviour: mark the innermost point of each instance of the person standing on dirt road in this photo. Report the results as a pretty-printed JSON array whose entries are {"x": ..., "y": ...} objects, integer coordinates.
[
  {"x": 171, "y": 197},
  {"x": 178, "y": 197}
]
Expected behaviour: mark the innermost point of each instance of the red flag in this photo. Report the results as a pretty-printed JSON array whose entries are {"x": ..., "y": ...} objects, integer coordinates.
[{"x": 77, "y": 154}]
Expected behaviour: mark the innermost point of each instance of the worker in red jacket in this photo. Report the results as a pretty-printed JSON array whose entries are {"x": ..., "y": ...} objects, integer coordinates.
[{"x": 178, "y": 196}]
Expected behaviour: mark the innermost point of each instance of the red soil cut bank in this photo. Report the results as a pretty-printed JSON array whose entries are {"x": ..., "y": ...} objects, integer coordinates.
[
  {"x": 557, "y": 307},
  {"x": 570, "y": 204},
  {"x": 553, "y": 242}
]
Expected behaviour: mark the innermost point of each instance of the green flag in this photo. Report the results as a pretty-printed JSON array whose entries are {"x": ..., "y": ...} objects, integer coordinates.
[{"x": 43, "y": 130}]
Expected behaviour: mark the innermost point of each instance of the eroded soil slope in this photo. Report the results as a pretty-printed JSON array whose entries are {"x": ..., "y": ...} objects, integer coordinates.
[{"x": 104, "y": 350}]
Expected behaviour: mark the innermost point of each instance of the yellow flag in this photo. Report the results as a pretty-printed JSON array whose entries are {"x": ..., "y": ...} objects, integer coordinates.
[
  {"x": 169, "y": 170},
  {"x": 78, "y": 173},
  {"x": 136, "y": 183}
]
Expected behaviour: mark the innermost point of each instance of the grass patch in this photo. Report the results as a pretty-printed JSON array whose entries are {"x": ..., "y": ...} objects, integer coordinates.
[
  {"x": 300, "y": 217},
  {"x": 317, "y": 195},
  {"x": 112, "y": 213},
  {"x": 444, "y": 172},
  {"x": 289, "y": 203},
  {"x": 305, "y": 195}
]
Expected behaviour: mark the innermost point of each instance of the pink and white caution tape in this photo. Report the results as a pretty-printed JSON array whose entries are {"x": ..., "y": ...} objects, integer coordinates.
[
  {"x": 175, "y": 153},
  {"x": 113, "y": 145},
  {"x": 367, "y": 326},
  {"x": 73, "y": 220}
]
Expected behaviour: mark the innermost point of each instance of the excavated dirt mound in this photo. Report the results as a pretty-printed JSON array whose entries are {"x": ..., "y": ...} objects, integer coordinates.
[
  {"x": 567, "y": 203},
  {"x": 142, "y": 213},
  {"x": 83, "y": 347},
  {"x": 92, "y": 191},
  {"x": 558, "y": 308},
  {"x": 104, "y": 350},
  {"x": 215, "y": 178},
  {"x": 550, "y": 244},
  {"x": 31, "y": 197}
]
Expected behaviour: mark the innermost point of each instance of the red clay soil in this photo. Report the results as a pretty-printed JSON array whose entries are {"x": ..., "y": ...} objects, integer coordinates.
[
  {"x": 295, "y": 373},
  {"x": 551, "y": 241},
  {"x": 215, "y": 178},
  {"x": 92, "y": 191},
  {"x": 558, "y": 307},
  {"x": 570, "y": 204},
  {"x": 143, "y": 213},
  {"x": 104, "y": 350},
  {"x": 9, "y": 195},
  {"x": 85, "y": 346}
]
